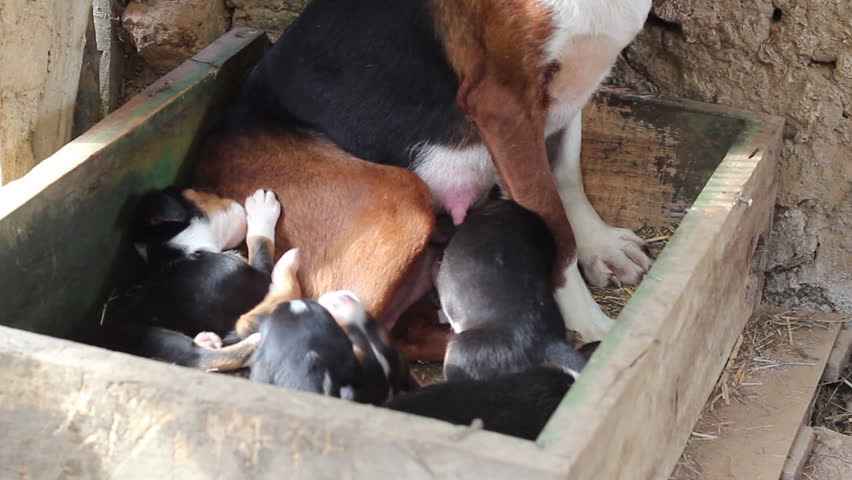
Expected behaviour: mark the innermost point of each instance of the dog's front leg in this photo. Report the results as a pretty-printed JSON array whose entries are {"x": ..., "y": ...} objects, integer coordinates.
[
  {"x": 514, "y": 134},
  {"x": 511, "y": 124},
  {"x": 607, "y": 255}
]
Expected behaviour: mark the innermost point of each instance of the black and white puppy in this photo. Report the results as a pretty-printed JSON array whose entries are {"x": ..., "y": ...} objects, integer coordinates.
[
  {"x": 494, "y": 288},
  {"x": 384, "y": 370},
  {"x": 193, "y": 285},
  {"x": 303, "y": 348}
]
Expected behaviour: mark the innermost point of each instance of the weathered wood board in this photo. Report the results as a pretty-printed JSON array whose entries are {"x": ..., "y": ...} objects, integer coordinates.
[
  {"x": 642, "y": 391},
  {"x": 62, "y": 227},
  {"x": 62, "y": 247},
  {"x": 753, "y": 434}
]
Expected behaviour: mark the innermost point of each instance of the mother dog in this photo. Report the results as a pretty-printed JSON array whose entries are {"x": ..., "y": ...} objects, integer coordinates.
[{"x": 463, "y": 95}]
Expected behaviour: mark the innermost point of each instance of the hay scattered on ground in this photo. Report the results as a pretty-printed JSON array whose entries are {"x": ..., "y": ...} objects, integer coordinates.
[
  {"x": 427, "y": 373},
  {"x": 833, "y": 405},
  {"x": 774, "y": 330}
]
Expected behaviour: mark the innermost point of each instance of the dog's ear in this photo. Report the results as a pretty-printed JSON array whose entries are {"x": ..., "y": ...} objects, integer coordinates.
[{"x": 158, "y": 216}]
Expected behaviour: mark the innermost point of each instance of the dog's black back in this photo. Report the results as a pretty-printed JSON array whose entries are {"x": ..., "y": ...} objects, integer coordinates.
[
  {"x": 203, "y": 291},
  {"x": 518, "y": 404},
  {"x": 370, "y": 75}
]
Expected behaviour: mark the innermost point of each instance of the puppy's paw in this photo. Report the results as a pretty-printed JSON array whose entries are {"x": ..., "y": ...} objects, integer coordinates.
[
  {"x": 262, "y": 212},
  {"x": 613, "y": 256},
  {"x": 208, "y": 340}
]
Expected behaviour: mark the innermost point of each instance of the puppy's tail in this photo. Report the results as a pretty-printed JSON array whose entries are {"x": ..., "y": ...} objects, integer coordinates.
[
  {"x": 563, "y": 356},
  {"x": 227, "y": 359},
  {"x": 174, "y": 347}
]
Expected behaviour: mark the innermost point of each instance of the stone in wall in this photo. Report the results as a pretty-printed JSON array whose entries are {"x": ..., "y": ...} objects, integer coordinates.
[
  {"x": 791, "y": 58},
  {"x": 167, "y": 32},
  {"x": 268, "y": 15}
]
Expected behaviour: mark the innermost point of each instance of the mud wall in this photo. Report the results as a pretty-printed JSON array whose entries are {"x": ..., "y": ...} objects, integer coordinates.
[{"x": 791, "y": 58}]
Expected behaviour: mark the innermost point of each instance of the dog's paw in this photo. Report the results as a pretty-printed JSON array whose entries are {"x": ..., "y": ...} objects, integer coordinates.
[
  {"x": 613, "y": 256},
  {"x": 208, "y": 340},
  {"x": 580, "y": 311},
  {"x": 262, "y": 212}
]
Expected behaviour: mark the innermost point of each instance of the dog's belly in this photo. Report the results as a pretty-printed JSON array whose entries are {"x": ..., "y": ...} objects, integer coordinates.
[
  {"x": 460, "y": 177},
  {"x": 457, "y": 177}
]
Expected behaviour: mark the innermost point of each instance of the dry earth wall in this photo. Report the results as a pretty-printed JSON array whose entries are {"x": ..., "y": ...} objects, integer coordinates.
[{"x": 791, "y": 58}]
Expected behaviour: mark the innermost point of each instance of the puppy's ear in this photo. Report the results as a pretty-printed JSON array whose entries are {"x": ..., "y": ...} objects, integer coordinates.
[
  {"x": 158, "y": 216},
  {"x": 284, "y": 278}
]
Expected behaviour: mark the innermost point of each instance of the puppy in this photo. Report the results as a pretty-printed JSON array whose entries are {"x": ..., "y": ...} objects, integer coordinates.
[
  {"x": 192, "y": 284},
  {"x": 303, "y": 348},
  {"x": 465, "y": 94},
  {"x": 494, "y": 287},
  {"x": 518, "y": 404},
  {"x": 384, "y": 370}
]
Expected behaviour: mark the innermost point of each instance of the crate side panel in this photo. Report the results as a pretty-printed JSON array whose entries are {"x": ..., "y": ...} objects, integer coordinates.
[
  {"x": 646, "y": 385},
  {"x": 64, "y": 246},
  {"x": 110, "y": 415},
  {"x": 645, "y": 161}
]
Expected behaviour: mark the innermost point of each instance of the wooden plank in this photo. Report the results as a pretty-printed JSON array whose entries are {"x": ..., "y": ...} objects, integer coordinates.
[
  {"x": 632, "y": 410},
  {"x": 90, "y": 413},
  {"x": 840, "y": 356},
  {"x": 41, "y": 47},
  {"x": 62, "y": 234},
  {"x": 753, "y": 435},
  {"x": 831, "y": 458},
  {"x": 645, "y": 162},
  {"x": 799, "y": 454}
]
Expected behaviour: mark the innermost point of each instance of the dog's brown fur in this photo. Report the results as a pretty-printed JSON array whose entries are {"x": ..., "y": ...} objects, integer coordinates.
[
  {"x": 358, "y": 225},
  {"x": 496, "y": 50}
]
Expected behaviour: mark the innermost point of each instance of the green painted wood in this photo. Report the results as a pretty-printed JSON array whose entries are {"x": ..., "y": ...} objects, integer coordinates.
[{"x": 63, "y": 226}]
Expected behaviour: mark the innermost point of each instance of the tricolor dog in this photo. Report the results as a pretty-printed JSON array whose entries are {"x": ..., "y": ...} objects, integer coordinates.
[{"x": 358, "y": 94}]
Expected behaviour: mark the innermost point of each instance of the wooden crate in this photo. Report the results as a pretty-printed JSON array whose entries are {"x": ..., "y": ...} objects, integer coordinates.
[{"x": 74, "y": 410}]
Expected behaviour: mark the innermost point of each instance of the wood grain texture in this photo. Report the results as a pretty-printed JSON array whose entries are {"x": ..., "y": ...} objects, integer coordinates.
[
  {"x": 98, "y": 414},
  {"x": 63, "y": 229},
  {"x": 643, "y": 390},
  {"x": 758, "y": 432}
]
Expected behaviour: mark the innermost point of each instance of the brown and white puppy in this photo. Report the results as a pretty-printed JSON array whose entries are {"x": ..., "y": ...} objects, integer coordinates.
[{"x": 464, "y": 94}]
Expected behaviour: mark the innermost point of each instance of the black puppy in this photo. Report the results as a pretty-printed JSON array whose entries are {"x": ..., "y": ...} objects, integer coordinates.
[
  {"x": 193, "y": 284},
  {"x": 494, "y": 287},
  {"x": 518, "y": 404},
  {"x": 303, "y": 348},
  {"x": 384, "y": 370}
]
